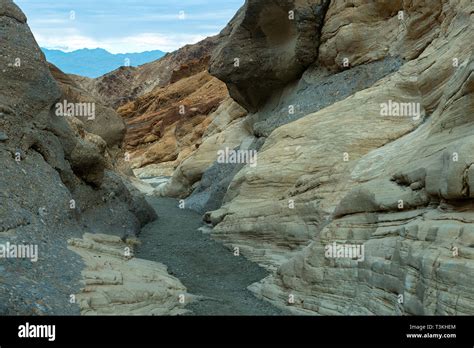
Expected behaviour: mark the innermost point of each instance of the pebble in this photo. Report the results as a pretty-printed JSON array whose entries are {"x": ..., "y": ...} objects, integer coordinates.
[{"x": 3, "y": 136}]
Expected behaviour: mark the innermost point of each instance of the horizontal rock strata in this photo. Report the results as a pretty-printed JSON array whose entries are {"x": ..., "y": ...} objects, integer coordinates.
[{"x": 117, "y": 283}]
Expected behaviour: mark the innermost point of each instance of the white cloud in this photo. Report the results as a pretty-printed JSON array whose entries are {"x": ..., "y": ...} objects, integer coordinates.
[
  {"x": 50, "y": 21},
  {"x": 128, "y": 44},
  {"x": 67, "y": 42}
]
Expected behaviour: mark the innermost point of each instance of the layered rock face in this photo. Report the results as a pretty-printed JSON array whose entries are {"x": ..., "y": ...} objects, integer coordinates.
[
  {"x": 166, "y": 105},
  {"x": 117, "y": 283},
  {"x": 381, "y": 160},
  {"x": 166, "y": 126},
  {"x": 228, "y": 129},
  {"x": 57, "y": 177},
  {"x": 129, "y": 83}
]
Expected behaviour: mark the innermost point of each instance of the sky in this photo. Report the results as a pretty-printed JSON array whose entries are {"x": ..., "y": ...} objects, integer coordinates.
[{"x": 126, "y": 26}]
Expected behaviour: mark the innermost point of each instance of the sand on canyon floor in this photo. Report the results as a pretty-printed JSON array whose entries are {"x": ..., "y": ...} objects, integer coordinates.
[{"x": 209, "y": 270}]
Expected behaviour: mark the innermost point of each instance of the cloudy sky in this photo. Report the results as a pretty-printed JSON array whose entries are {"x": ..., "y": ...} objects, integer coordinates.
[{"x": 126, "y": 26}]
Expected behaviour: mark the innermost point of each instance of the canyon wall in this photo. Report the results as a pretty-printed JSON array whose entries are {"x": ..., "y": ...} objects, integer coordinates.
[
  {"x": 343, "y": 172},
  {"x": 59, "y": 180},
  {"x": 166, "y": 126}
]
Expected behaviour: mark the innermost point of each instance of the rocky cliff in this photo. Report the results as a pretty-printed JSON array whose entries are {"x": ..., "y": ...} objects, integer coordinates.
[
  {"x": 166, "y": 125},
  {"x": 58, "y": 148},
  {"x": 345, "y": 172},
  {"x": 129, "y": 83}
]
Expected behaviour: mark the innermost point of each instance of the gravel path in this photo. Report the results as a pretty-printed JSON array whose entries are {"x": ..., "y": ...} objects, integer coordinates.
[{"x": 205, "y": 267}]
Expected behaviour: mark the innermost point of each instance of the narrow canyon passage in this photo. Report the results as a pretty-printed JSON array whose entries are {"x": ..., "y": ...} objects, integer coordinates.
[{"x": 205, "y": 267}]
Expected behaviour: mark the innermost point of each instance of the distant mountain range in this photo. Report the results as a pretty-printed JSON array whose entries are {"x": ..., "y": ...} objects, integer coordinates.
[{"x": 97, "y": 62}]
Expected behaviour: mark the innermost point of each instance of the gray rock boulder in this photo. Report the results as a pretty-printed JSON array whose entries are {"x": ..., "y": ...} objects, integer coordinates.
[{"x": 265, "y": 46}]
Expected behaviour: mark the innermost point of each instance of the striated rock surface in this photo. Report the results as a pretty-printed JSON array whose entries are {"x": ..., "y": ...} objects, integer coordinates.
[
  {"x": 342, "y": 170},
  {"x": 129, "y": 83},
  {"x": 167, "y": 125},
  {"x": 115, "y": 282},
  {"x": 411, "y": 209},
  {"x": 227, "y": 130}
]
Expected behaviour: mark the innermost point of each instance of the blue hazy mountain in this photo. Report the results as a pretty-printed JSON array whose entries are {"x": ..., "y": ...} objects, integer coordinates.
[{"x": 97, "y": 62}]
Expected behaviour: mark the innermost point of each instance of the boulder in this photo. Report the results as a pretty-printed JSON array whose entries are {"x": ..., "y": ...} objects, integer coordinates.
[
  {"x": 266, "y": 46},
  {"x": 116, "y": 283}
]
